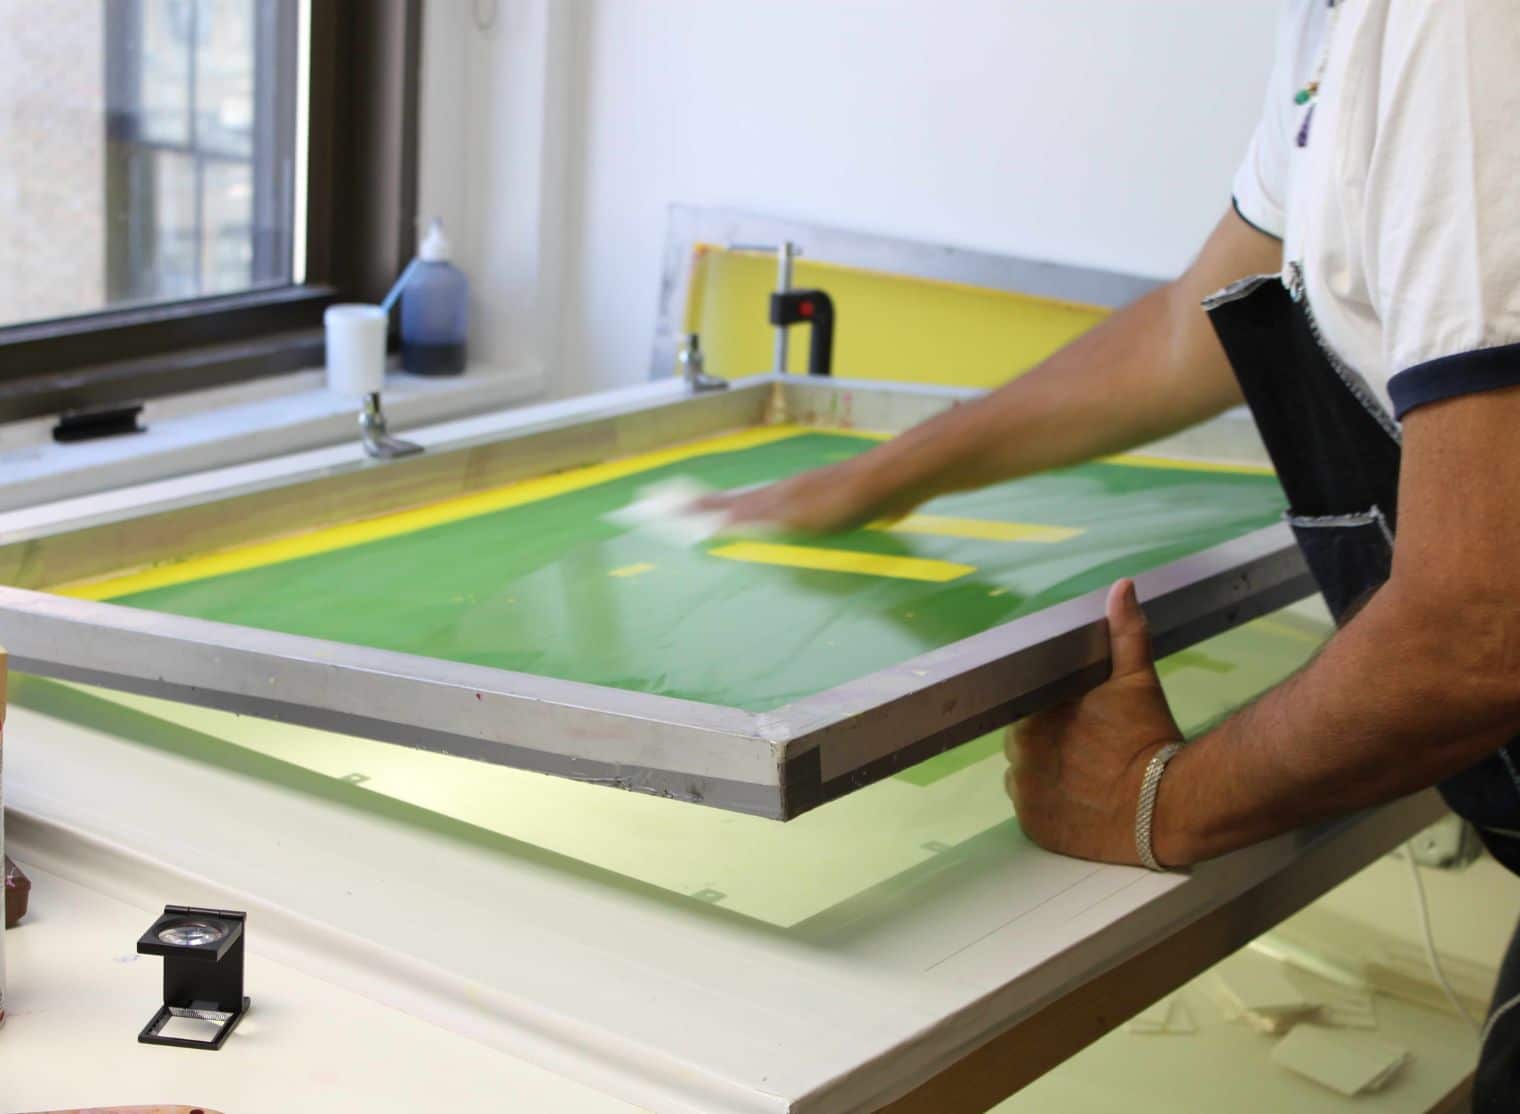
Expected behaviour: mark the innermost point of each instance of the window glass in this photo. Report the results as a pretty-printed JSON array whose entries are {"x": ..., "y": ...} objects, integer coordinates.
[{"x": 147, "y": 151}]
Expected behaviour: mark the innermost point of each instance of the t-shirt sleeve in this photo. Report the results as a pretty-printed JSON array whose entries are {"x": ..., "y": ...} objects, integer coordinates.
[
  {"x": 1442, "y": 214},
  {"x": 1261, "y": 182}
]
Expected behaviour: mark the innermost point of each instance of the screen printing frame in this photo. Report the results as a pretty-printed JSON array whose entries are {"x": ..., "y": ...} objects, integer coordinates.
[{"x": 776, "y": 764}]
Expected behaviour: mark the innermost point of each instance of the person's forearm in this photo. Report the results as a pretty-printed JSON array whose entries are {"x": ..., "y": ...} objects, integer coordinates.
[
  {"x": 1116, "y": 387},
  {"x": 1150, "y": 370},
  {"x": 1408, "y": 694}
]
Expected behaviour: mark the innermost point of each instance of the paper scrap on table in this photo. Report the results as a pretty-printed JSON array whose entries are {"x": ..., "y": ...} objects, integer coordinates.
[
  {"x": 1350, "y": 1063},
  {"x": 667, "y": 512},
  {"x": 1345, "y": 997},
  {"x": 1168, "y": 1017},
  {"x": 1256, "y": 991},
  {"x": 1340, "y": 1007}
]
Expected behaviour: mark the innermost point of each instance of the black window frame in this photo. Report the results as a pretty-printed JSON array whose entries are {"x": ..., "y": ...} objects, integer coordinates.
[{"x": 360, "y": 229}]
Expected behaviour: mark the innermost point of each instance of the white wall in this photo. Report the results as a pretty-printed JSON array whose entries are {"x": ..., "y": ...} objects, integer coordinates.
[
  {"x": 1099, "y": 132},
  {"x": 497, "y": 77}
]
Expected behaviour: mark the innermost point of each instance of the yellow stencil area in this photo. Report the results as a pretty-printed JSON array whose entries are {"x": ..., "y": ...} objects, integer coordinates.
[
  {"x": 843, "y": 560},
  {"x": 1148, "y": 460},
  {"x": 1125, "y": 460},
  {"x": 632, "y": 570},
  {"x": 328, "y": 538},
  {"x": 980, "y": 529},
  {"x": 891, "y": 327}
]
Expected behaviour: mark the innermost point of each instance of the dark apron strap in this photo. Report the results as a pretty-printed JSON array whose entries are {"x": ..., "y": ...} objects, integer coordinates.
[
  {"x": 1335, "y": 452},
  {"x": 1337, "y": 456},
  {"x": 1496, "y": 1087}
]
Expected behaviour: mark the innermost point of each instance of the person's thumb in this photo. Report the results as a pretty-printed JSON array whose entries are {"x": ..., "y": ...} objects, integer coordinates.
[{"x": 1129, "y": 636}]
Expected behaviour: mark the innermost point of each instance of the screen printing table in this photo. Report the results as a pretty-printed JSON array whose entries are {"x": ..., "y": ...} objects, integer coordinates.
[{"x": 900, "y": 946}]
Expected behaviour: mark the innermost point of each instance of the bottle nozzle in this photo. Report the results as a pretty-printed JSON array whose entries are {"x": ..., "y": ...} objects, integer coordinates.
[{"x": 435, "y": 247}]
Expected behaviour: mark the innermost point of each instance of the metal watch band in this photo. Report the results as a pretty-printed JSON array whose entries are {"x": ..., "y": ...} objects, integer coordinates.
[{"x": 1146, "y": 813}]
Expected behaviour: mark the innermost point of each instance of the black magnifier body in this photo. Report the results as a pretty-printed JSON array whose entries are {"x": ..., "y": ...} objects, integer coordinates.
[{"x": 202, "y": 950}]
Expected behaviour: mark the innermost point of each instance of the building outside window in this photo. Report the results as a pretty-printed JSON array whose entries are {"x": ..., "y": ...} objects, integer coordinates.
[
  {"x": 185, "y": 185},
  {"x": 148, "y": 152}
]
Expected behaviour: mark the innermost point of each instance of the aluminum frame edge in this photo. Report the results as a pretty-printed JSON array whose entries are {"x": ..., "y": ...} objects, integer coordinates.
[
  {"x": 635, "y": 741},
  {"x": 869, "y": 728}
]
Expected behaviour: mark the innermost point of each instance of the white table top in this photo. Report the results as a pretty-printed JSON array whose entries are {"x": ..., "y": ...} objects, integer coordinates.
[
  {"x": 645, "y": 995},
  {"x": 79, "y": 994},
  {"x": 672, "y": 957}
]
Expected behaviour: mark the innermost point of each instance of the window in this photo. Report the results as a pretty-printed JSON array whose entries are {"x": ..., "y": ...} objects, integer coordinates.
[
  {"x": 199, "y": 169},
  {"x": 170, "y": 178}
]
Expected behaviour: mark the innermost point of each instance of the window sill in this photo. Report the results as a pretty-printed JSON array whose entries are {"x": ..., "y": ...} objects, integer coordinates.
[{"x": 235, "y": 425}]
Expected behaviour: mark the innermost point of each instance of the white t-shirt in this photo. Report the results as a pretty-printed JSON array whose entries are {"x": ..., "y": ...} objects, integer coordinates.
[{"x": 1402, "y": 209}]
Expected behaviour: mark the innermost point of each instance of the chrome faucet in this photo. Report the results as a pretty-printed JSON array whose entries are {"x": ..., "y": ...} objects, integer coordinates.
[
  {"x": 693, "y": 369},
  {"x": 377, "y": 442}
]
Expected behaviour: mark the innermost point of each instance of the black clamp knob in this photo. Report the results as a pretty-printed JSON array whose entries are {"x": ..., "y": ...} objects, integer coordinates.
[{"x": 814, "y": 308}]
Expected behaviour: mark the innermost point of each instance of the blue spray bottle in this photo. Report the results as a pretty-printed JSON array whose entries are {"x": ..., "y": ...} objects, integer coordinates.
[{"x": 435, "y": 309}]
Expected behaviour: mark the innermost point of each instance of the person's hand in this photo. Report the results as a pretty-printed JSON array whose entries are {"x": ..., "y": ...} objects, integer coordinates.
[
  {"x": 823, "y": 501},
  {"x": 1075, "y": 770}
]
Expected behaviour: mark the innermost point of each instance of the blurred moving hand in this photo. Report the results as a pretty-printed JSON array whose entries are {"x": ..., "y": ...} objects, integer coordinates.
[
  {"x": 824, "y": 501},
  {"x": 1151, "y": 369}
]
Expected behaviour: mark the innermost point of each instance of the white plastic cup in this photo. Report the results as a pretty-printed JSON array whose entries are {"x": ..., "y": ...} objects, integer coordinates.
[{"x": 355, "y": 334}]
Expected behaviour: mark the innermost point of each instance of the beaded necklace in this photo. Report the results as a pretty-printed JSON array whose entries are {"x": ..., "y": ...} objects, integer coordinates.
[{"x": 1309, "y": 94}]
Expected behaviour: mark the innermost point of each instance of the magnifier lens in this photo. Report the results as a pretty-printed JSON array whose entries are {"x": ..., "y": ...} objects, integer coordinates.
[{"x": 191, "y": 934}]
